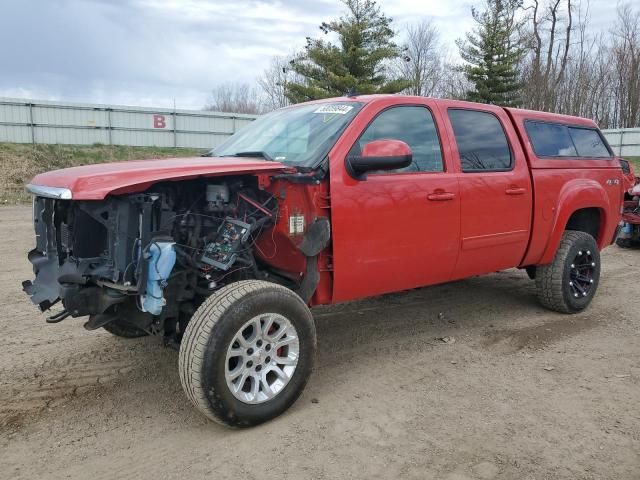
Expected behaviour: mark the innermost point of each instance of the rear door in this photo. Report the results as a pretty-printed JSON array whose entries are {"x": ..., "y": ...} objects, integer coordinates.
[
  {"x": 495, "y": 188},
  {"x": 395, "y": 230}
]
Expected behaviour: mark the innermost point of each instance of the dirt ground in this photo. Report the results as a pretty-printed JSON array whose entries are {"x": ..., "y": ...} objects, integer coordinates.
[{"x": 521, "y": 393}]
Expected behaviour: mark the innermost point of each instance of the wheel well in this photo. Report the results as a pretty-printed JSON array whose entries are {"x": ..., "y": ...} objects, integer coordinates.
[{"x": 585, "y": 220}]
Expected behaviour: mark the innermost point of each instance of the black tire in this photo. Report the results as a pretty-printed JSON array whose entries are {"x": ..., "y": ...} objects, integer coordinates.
[
  {"x": 122, "y": 329},
  {"x": 628, "y": 243},
  {"x": 624, "y": 242},
  {"x": 202, "y": 359},
  {"x": 553, "y": 280}
]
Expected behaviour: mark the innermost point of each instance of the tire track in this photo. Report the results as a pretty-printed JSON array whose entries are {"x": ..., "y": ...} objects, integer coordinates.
[{"x": 25, "y": 393}]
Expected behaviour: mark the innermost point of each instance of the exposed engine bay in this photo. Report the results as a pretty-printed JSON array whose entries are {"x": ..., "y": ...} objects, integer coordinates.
[{"x": 150, "y": 258}]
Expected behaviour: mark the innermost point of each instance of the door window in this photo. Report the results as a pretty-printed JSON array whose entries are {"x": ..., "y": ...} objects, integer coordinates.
[
  {"x": 413, "y": 125},
  {"x": 482, "y": 143}
]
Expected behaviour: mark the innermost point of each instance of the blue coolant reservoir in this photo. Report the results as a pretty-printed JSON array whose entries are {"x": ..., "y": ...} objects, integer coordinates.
[
  {"x": 162, "y": 258},
  {"x": 628, "y": 229}
]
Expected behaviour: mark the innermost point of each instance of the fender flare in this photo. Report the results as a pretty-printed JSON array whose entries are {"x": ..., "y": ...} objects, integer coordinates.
[{"x": 576, "y": 195}]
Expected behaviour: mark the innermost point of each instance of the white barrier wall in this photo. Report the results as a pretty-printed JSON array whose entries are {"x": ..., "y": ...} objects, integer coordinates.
[
  {"x": 39, "y": 121},
  {"x": 625, "y": 142},
  {"x": 33, "y": 121}
]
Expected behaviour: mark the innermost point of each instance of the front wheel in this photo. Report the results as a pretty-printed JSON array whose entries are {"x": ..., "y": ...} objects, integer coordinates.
[
  {"x": 569, "y": 283},
  {"x": 247, "y": 353}
]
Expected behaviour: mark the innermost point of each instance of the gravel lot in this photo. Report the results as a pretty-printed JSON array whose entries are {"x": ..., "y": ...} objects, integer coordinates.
[{"x": 521, "y": 393}]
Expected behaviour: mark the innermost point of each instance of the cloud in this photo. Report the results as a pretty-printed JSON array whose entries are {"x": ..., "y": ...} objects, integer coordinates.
[
  {"x": 150, "y": 52},
  {"x": 145, "y": 50}
]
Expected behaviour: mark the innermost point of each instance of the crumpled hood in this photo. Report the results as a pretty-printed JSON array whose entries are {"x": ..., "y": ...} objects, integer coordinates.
[{"x": 95, "y": 182}]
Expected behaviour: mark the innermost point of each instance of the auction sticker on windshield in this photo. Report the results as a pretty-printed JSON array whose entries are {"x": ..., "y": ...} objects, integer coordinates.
[{"x": 334, "y": 109}]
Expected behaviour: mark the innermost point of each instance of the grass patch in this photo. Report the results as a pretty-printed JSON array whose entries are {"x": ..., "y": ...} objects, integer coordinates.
[{"x": 19, "y": 163}]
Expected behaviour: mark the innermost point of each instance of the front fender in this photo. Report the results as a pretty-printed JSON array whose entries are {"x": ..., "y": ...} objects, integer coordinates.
[{"x": 576, "y": 195}]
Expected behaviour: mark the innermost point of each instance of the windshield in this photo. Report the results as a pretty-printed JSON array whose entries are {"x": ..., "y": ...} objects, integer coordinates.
[{"x": 299, "y": 136}]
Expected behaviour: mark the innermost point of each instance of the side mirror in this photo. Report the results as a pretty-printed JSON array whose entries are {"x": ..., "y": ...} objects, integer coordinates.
[{"x": 379, "y": 155}]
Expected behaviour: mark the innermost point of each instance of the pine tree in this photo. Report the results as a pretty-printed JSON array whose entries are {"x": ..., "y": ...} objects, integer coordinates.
[
  {"x": 492, "y": 54},
  {"x": 359, "y": 60}
]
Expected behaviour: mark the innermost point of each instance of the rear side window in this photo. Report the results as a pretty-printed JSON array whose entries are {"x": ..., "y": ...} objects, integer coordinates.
[
  {"x": 482, "y": 143},
  {"x": 588, "y": 143},
  {"x": 556, "y": 140},
  {"x": 550, "y": 140}
]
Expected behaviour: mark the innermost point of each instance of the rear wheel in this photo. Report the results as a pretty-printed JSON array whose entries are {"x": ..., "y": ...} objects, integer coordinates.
[
  {"x": 569, "y": 283},
  {"x": 247, "y": 353}
]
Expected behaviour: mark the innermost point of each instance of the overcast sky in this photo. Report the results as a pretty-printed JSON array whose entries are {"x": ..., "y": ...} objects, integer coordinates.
[{"x": 150, "y": 52}]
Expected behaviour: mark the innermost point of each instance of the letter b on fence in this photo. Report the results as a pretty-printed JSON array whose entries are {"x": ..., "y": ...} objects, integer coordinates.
[{"x": 159, "y": 121}]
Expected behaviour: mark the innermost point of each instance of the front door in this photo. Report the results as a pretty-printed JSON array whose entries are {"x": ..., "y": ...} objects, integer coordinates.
[{"x": 395, "y": 230}]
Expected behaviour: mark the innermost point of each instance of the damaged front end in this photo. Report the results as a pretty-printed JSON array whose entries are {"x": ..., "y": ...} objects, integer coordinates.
[
  {"x": 88, "y": 254},
  {"x": 147, "y": 260}
]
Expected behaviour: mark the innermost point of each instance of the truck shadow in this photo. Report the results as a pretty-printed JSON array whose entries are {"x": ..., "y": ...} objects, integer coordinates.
[{"x": 425, "y": 314}]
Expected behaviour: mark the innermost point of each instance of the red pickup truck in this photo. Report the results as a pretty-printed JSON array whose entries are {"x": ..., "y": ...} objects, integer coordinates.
[{"x": 313, "y": 204}]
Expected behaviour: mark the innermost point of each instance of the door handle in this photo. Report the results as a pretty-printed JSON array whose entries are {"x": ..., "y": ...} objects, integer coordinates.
[
  {"x": 515, "y": 191},
  {"x": 441, "y": 196}
]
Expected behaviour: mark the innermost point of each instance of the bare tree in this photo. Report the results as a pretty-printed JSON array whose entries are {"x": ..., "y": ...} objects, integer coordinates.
[
  {"x": 569, "y": 70},
  {"x": 421, "y": 63},
  {"x": 552, "y": 26},
  {"x": 570, "y": 84},
  {"x": 453, "y": 82},
  {"x": 273, "y": 82},
  {"x": 625, "y": 53},
  {"x": 235, "y": 98}
]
